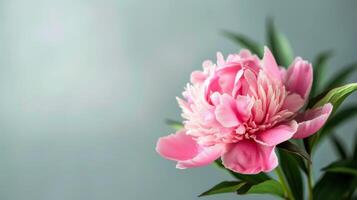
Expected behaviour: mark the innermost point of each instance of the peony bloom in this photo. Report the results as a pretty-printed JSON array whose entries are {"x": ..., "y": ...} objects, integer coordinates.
[{"x": 241, "y": 108}]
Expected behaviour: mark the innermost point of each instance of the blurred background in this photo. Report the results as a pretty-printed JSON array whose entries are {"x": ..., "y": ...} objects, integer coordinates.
[{"x": 86, "y": 86}]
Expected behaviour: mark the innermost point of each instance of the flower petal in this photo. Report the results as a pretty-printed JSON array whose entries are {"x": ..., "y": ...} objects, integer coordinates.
[
  {"x": 244, "y": 107},
  {"x": 278, "y": 134},
  {"x": 227, "y": 76},
  {"x": 178, "y": 146},
  {"x": 198, "y": 77},
  {"x": 225, "y": 112},
  {"x": 269, "y": 64},
  {"x": 249, "y": 157},
  {"x": 299, "y": 77},
  {"x": 312, "y": 120},
  {"x": 184, "y": 149},
  {"x": 205, "y": 156},
  {"x": 293, "y": 102}
]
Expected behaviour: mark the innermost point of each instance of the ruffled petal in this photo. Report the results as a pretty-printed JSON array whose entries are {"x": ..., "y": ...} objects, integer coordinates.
[
  {"x": 205, "y": 156},
  {"x": 312, "y": 120},
  {"x": 249, "y": 157},
  {"x": 299, "y": 77},
  {"x": 184, "y": 149},
  {"x": 178, "y": 146},
  {"x": 278, "y": 134},
  {"x": 225, "y": 112},
  {"x": 293, "y": 102},
  {"x": 244, "y": 106},
  {"x": 269, "y": 64},
  {"x": 198, "y": 77}
]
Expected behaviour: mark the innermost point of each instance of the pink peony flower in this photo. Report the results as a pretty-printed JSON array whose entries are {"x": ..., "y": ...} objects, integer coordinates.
[{"x": 241, "y": 108}]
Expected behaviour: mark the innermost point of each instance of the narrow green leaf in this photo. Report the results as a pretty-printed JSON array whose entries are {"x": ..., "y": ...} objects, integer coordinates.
[
  {"x": 338, "y": 182},
  {"x": 334, "y": 186},
  {"x": 245, "y": 42},
  {"x": 355, "y": 148},
  {"x": 343, "y": 166},
  {"x": 279, "y": 45},
  {"x": 293, "y": 148},
  {"x": 224, "y": 187},
  {"x": 272, "y": 187},
  {"x": 339, "y": 146},
  {"x": 319, "y": 66},
  {"x": 253, "y": 178},
  {"x": 342, "y": 76},
  {"x": 244, "y": 189},
  {"x": 300, "y": 160},
  {"x": 310, "y": 142},
  {"x": 337, "y": 95},
  {"x": 174, "y": 124},
  {"x": 343, "y": 170},
  {"x": 292, "y": 173}
]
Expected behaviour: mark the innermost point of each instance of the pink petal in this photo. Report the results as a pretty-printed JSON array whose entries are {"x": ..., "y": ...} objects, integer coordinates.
[
  {"x": 312, "y": 120},
  {"x": 227, "y": 76},
  {"x": 299, "y": 77},
  {"x": 249, "y": 157},
  {"x": 205, "y": 157},
  {"x": 225, "y": 113},
  {"x": 278, "y": 134},
  {"x": 245, "y": 53},
  {"x": 197, "y": 77},
  {"x": 269, "y": 64},
  {"x": 212, "y": 85},
  {"x": 178, "y": 146},
  {"x": 184, "y": 149},
  {"x": 220, "y": 59},
  {"x": 283, "y": 74},
  {"x": 244, "y": 107},
  {"x": 215, "y": 98},
  {"x": 293, "y": 102}
]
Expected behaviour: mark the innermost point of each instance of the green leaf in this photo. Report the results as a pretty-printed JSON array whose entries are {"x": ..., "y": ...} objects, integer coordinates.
[
  {"x": 253, "y": 178},
  {"x": 337, "y": 95},
  {"x": 279, "y": 45},
  {"x": 319, "y": 66},
  {"x": 344, "y": 170},
  {"x": 272, "y": 187},
  {"x": 292, "y": 174},
  {"x": 310, "y": 142},
  {"x": 355, "y": 148},
  {"x": 244, "y": 189},
  {"x": 224, "y": 187},
  {"x": 339, "y": 147},
  {"x": 337, "y": 182},
  {"x": 174, "y": 124},
  {"x": 343, "y": 166},
  {"x": 245, "y": 42},
  {"x": 334, "y": 186},
  {"x": 295, "y": 149},
  {"x": 342, "y": 76}
]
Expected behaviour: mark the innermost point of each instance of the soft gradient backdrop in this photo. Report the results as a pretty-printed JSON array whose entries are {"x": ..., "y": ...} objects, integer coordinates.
[{"x": 86, "y": 86}]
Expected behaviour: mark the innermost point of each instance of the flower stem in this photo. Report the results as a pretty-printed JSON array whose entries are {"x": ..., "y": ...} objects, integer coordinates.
[
  {"x": 285, "y": 185},
  {"x": 310, "y": 181}
]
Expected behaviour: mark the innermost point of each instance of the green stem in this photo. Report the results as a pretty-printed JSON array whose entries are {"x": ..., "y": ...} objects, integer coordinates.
[
  {"x": 310, "y": 181},
  {"x": 285, "y": 185}
]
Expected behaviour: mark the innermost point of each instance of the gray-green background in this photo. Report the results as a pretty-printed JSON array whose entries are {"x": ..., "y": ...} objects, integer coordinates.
[{"x": 86, "y": 85}]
